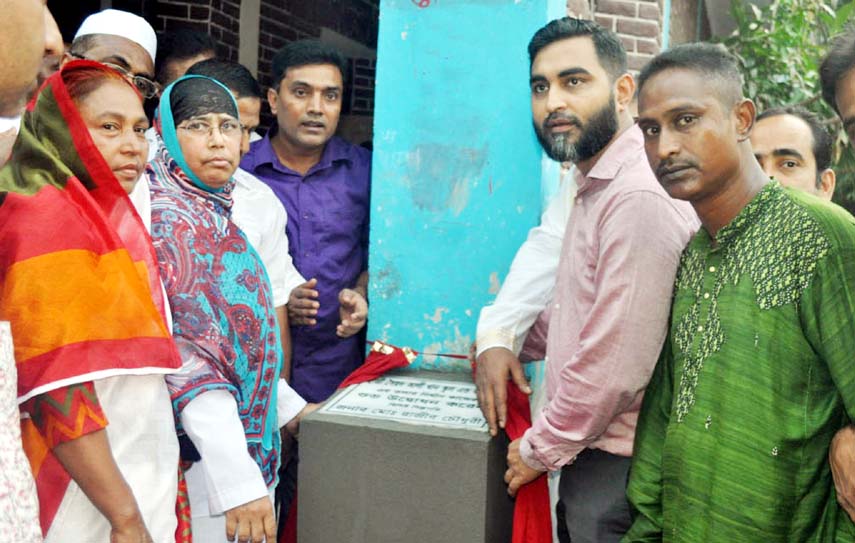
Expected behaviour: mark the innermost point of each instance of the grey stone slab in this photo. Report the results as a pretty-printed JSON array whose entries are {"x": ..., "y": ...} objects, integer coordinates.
[{"x": 368, "y": 480}]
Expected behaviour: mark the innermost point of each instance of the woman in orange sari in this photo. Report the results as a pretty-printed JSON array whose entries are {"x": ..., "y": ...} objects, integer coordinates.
[{"x": 80, "y": 286}]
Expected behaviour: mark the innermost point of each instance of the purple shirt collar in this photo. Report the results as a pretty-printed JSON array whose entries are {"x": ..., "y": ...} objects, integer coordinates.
[{"x": 262, "y": 152}]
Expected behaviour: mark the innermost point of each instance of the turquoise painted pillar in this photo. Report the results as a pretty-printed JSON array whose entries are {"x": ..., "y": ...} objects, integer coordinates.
[{"x": 457, "y": 169}]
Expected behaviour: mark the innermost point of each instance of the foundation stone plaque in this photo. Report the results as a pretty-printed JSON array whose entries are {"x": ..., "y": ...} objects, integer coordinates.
[
  {"x": 450, "y": 404},
  {"x": 404, "y": 458}
]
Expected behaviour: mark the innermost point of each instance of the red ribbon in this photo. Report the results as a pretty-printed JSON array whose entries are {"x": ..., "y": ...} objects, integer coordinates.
[
  {"x": 532, "y": 518},
  {"x": 441, "y": 355}
]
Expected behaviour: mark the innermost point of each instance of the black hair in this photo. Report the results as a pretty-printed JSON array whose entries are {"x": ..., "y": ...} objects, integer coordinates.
[
  {"x": 712, "y": 61},
  {"x": 195, "y": 97},
  {"x": 610, "y": 51},
  {"x": 231, "y": 74},
  {"x": 82, "y": 44},
  {"x": 181, "y": 45},
  {"x": 303, "y": 53},
  {"x": 822, "y": 141},
  {"x": 839, "y": 61}
]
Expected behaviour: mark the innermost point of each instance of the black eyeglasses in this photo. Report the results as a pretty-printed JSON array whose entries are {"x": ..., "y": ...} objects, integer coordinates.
[{"x": 147, "y": 87}]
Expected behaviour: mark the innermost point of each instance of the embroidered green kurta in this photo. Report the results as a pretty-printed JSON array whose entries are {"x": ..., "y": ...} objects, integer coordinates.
[{"x": 755, "y": 378}]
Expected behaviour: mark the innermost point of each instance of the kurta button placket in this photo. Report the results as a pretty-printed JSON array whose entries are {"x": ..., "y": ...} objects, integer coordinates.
[{"x": 704, "y": 293}]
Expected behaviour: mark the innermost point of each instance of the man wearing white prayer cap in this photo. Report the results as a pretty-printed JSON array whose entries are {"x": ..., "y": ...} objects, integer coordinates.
[{"x": 122, "y": 40}]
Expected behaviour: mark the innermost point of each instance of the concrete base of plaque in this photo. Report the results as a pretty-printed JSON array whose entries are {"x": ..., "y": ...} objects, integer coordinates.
[{"x": 406, "y": 458}]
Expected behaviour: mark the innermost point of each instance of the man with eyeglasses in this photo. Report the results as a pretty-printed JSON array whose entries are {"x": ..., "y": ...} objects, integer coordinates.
[{"x": 121, "y": 40}]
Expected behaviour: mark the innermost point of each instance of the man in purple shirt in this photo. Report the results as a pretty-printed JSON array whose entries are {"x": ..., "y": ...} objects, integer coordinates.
[{"x": 324, "y": 184}]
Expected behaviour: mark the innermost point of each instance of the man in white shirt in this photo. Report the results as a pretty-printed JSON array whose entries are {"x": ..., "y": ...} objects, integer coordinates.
[{"x": 524, "y": 295}]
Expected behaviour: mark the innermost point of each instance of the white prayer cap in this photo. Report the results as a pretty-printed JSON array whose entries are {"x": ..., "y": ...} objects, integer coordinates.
[{"x": 123, "y": 24}]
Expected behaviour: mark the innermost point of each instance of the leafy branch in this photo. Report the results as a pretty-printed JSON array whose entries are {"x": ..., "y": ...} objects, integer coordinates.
[{"x": 779, "y": 48}]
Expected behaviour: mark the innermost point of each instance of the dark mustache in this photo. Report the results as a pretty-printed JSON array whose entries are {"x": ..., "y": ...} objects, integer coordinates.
[
  {"x": 666, "y": 167},
  {"x": 558, "y": 116}
]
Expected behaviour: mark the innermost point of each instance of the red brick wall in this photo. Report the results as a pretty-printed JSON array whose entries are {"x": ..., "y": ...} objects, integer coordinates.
[
  {"x": 284, "y": 21},
  {"x": 637, "y": 22},
  {"x": 219, "y": 18},
  {"x": 362, "y": 77}
]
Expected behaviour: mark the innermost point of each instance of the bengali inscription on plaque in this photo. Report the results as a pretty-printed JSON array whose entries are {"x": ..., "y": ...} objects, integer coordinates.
[{"x": 411, "y": 400}]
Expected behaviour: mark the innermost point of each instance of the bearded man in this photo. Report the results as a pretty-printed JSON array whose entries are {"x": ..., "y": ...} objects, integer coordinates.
[{"x": 609, "y": 313}]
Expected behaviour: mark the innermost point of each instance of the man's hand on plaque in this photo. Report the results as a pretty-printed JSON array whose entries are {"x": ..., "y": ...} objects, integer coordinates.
[
  {"x": 493, "y": 368},
  {"x": 353, "y": 311},
  {"x": 303, "y": 304},
  {"x": 293, "y": 425},
  {"x": 841, "y": 456},
  {"x": 519, "y": 473}
]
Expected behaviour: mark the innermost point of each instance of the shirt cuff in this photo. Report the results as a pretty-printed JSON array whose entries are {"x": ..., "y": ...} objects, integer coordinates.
[
  {"x": 232, "y": 477},
  {"x": 280, "y": 296},
  {"x": 497, "y": 337},
  {"x": 528, "y": 456},
  {"x": 294, "y": 280},
  {"x": 288, "y": 403},
  {"x": 250, "y": 488},
  {"x": 537, "y": 459}
]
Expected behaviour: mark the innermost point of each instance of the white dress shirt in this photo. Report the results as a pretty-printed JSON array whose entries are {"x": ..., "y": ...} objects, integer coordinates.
[
  {"x": 262, "y": 217},
  {"x": 530, "y": 283},
  {"x": 227, "y": 476}
]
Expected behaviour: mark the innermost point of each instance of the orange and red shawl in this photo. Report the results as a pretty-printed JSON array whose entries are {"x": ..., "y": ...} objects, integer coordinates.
[{"x": 78, "y": 275}]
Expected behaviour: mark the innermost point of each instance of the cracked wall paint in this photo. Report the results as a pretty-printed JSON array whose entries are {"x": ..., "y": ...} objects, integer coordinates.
[
  {"x": 495, "y": 284},
  {"x": 456, "y": 170},
  {"x": 436, "y": 318}
]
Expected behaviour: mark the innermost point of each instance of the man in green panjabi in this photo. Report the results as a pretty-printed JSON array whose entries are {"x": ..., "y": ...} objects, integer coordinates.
[{"x": 757, "y": 373}]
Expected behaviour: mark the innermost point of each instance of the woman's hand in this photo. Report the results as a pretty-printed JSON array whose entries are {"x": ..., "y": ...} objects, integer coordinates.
[
  {"x": 89, "y": 460},
  {"x": 252, "y": 522},
  {"x": 129, "y": 530},
  {"x": 293, "y": 425}
]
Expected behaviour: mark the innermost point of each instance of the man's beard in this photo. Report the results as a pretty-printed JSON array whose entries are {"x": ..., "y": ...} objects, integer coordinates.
[{"x": 594, "y": 136}]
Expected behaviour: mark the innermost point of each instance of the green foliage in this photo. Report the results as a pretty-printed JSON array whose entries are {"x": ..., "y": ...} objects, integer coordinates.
[{"x": 780, "y": 48}]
